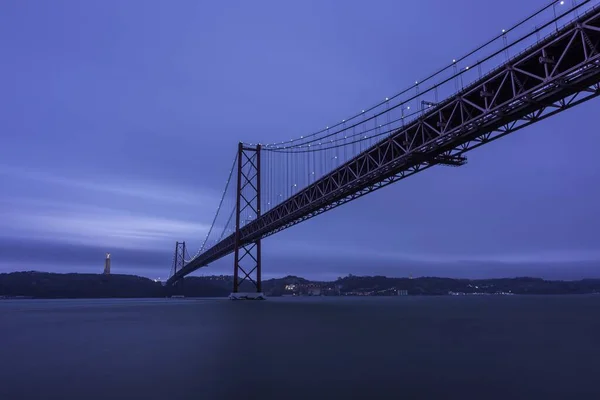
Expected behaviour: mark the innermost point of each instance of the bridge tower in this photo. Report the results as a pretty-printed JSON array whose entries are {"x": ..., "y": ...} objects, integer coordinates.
[
  {"x": 178, "y": 264},
  {"x": 247, "y": 255}
]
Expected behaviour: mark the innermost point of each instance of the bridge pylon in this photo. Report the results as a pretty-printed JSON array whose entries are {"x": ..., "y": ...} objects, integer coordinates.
[
  {"x": 178, "y": 264},
  {"x": 247, "y": 255}
]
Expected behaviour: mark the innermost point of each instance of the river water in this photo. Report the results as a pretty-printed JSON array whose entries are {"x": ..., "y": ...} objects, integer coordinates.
[{"x": 306, "y": 348}]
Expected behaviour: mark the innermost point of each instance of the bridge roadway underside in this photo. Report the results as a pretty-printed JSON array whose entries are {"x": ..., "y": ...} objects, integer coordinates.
[{"x": 559, "y": 72}]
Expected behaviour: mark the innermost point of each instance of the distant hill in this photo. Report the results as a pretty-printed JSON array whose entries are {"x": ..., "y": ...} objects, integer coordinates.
[
  {"x": 51, "y": 285},
  {"x": 443, "y": 286}
]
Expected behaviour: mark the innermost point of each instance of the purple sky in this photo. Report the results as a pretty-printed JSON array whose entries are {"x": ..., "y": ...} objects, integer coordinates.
[{"x": 119, "y": 121}]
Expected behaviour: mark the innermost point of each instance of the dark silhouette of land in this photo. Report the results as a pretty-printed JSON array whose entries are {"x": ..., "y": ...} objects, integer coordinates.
[{"x": 50, "y": 285}]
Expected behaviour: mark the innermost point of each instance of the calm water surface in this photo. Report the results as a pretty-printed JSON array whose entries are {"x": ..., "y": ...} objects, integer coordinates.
[{"x": 306, "y": 348}]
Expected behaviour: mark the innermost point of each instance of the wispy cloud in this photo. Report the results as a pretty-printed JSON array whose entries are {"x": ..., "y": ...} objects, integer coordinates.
[
  {"x": 132, "y": 215},
  {"x": 99, "y": 226},
  {"x": 116, "y": 186},
  {"x": 367, "y": 253}
]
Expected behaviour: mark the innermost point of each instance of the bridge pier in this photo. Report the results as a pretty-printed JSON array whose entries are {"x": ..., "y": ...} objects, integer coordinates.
[
  {"x": 177, "y": 290},
  {"x": 247, "y": 255}
]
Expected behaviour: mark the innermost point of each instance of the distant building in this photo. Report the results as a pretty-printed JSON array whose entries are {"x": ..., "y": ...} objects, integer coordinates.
[
  {"x": 402, "y": 292},
  {"x": 107, "y": 264}
]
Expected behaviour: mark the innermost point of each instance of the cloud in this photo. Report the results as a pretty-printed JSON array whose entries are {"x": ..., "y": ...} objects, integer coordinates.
[
  {"x": 319, "y": 268},
  {"x": 328, "y": 251},
  {"x": 98, "y": 226},
  {"x": 41, "y": 255},
  {"x": 117, "y": 186},
  {"x": 132, "y": 215}
]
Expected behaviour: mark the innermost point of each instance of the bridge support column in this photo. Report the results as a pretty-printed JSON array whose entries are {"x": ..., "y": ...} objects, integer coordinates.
[
  {"x": 247, "y": 255},
  {"x": 178, "y": 264}
]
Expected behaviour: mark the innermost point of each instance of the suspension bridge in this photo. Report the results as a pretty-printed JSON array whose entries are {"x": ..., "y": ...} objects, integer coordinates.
[{"x": 543, "y": 65}]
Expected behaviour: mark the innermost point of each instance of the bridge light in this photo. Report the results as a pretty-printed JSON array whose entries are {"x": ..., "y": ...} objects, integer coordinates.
[
  {"x": 467, "y": 68},
  {"x": 416, "y": 82},
  {"x": 386, "y": 99},
  {"x": 503, "y": 30},
  {"x": 453, "y": 60},
  {"x": 562, "y": 3},
  {"x": 408, "y": 108},
  {"x": 363, "y": 110}
]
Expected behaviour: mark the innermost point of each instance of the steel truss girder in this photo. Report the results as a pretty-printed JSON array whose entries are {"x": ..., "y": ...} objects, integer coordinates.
[{"x": 525, "y": 90}]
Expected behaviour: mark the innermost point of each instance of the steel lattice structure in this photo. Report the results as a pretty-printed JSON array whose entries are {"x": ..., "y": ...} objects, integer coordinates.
[
  {"x": 178, "y": 258},
  {"x": 558, "y": 73},
  {"x": 247, "y": 253}
]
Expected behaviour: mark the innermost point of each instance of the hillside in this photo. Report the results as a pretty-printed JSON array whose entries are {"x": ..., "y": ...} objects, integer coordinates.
[{"x": 52, "y": 285}]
